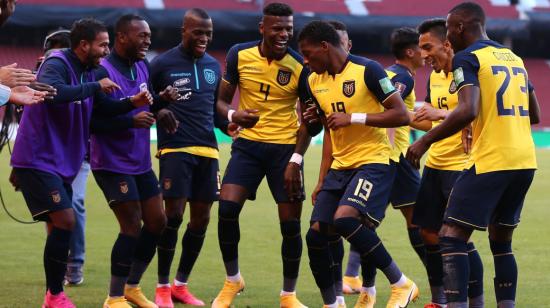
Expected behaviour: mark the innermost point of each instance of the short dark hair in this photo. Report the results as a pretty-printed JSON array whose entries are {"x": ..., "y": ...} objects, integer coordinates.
[
  {"x": 57, "y": 39},
  {"x": 277, "y": 9},
  {"x": 435, "y": 26},
  {"x": 471, "y": 9},
  {"x": 318, "y": 31},
  {"x": 124, "y": 22},
  {"x": 338, "y": 25},
  {"x": 86, "y": 29},
  {"x": 401, "y": 39},
  {"x": 198, "y": 12}
]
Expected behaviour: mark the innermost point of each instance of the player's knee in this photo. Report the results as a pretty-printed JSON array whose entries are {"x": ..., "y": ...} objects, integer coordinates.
[
  {"x": 500, "y": 248},
  {"x": 229, "y": 210},
  {"x": 131, "y": 226},
  {"x": 455, "y": 231},
  {"x": 315, "y": 239},
  {"x": 500, "y": 233},
  {"x": 346, "y": 226},
  {"x": 200, "y": 222},
  {"x": 157, "y": 225},
  {"x": 429, "y": 237},
  {"x": 290, "y": 229}
]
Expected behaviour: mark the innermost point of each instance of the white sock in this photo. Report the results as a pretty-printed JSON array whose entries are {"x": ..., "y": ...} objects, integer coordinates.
[
  {"x": 370, "y": 290},
  {"x": 160, "y": 285},
  {"x": 178, "y": 283},
  {"x": 335, "y": 305},
  {"x": 284, "y": 293},
  {"x": 340, "y": 300},
  {"x": 132, "y": 285},
  {"x": 401, "y": 282},
  {"x": 235, "y": 278}
]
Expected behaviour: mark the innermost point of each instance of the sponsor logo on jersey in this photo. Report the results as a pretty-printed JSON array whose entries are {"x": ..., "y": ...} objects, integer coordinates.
[
  {"x": 181, "y": 82},
  {"x": 209, "y": 76},
  {"x": 348, "y": 88},
  {"x": 182, "y": 74},
  {"x": 283, "y": 77},
  {"x": 458, "y": 75}
]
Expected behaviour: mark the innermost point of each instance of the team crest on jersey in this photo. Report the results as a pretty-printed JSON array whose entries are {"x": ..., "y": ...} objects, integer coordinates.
[
  {"x": 400, "y": 87},
  {"x": 167, "y": 184},
  {"x": 283, "y": 77},
  {"x": 348, "y": 88},
  {"x": 452, "y": 87},
  {"x": 123, "y": 187},
  {"x": 56, "y": 197},
  {"x": 209, "y": 76}
]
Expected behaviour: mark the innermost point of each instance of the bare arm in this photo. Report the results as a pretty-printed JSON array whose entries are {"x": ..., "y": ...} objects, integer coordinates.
[{"x": 534, "y": 108}]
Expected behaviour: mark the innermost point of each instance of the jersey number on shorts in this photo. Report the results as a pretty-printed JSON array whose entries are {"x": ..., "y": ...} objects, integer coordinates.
[
  {"x": 503, "y": 111},
  {"x": 363, "y": 189}
]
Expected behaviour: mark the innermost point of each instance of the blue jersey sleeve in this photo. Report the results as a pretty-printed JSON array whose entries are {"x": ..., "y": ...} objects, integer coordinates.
[
  {"x": 403, "y": 83},
  {"x": 231, "y": 74},
  {"x": 377, "y": 81},
  {"x": 428, "y": 98},
  {"x": 465, "y": 69}
]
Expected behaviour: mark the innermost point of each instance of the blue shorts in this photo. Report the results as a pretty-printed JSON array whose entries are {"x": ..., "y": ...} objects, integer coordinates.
[
  {"x": 44, "y": 192},
  {"x": 405, "y": 184},
  {"x": 366, "y": 188},
  {"x": 119, "y": 187},
  {"x": 188, "y": 176},
  {"x": 435, "y": 188},
  {"x": 252, "y": 160},
  {"x": 495, "y": 198}
]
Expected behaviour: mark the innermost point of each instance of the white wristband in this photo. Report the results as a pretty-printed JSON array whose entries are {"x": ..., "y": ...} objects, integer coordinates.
[
  {"x": 358, "y": 118},
  {"x": 296, "y": 158},
  {"x": 230, "y": 115}
]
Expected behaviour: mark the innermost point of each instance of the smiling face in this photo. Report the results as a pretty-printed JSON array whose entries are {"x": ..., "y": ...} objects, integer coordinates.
[
  {"x": 277, "y": 31},
  {"x": 435, "y": 51},
  {"x": 136, "y": 40},
  {"x": 96, "y": 49},
  {"x": 196, "y": 34}
]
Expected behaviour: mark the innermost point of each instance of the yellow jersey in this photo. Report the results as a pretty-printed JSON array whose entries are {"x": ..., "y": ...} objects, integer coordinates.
[
  {"x": 271, "y": 87},
  {"x": 403, "y": 82},
  {"x": 360, "y": 87},
  {"x": 446, "y": 154},
  {"x": 502, "y": 130}
]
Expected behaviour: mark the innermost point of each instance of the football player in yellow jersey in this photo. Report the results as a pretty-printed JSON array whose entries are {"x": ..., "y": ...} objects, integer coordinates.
[
  {"x": 446, "y": 159},
  {"x": 494, "y": 92},
  {"x": 356, "y": 99},
  {"x": 271, "y": 78}
]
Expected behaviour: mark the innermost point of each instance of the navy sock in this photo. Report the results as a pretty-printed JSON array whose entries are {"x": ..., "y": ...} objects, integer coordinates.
[
  {"x": 456, "y": 269},
  {"x": 434, "y": 268},
  {"x": 369, "y": 245},
  {"x": 475, "y": 282},
  {"x": 417, "y": 243},
  {"x": 191, "y": 247},
  {"x": 291, "y": 253},
  {"x": 354, "y": 262},
  {"x": 506, "y": 271},
  {"x": 56, "y": 253},
  {"x": 320, "y": 261},
  {"x": 368, "y": 271},
  {"x": 336, "y": 247},
  {"x": 166, "y": 248},
  {"x": 121, "y": 260},
  {"x": 229, "y": 235},
  {"x": 144, "y": 252}
]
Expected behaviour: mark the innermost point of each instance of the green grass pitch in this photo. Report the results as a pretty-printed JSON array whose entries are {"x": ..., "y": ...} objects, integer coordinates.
[{"x": 22, "y": 275}]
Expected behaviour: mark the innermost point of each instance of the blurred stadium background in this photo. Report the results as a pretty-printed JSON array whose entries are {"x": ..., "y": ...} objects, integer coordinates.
[{"x": 524, "y": 25}]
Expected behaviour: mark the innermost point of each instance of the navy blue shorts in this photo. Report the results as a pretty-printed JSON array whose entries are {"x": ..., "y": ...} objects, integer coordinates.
[
  {"x": 405, "y": 184},
  {"x": 435, "y": 188},
  {"x": 496, "y": 198},
  {"x": 119, "y": 188},
  {"x": 44, "y": 192},
  {"x": 252, "y": 160},
  {"x": 188, "y": 176},
  {"x": 366, "y": 188}
]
